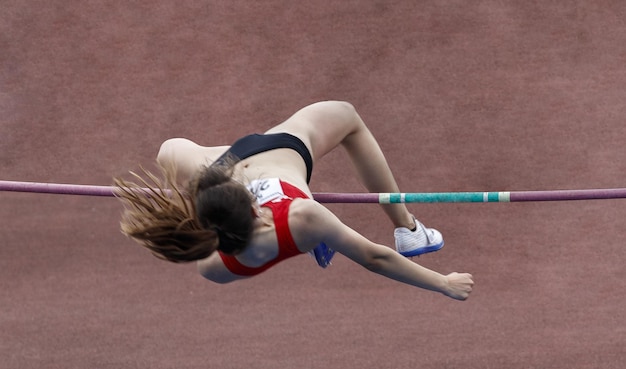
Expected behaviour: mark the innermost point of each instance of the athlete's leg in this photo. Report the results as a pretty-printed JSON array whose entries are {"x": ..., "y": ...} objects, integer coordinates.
[
  {"x": 187, "y": 157},
  {"x": 324, "y": 126}
]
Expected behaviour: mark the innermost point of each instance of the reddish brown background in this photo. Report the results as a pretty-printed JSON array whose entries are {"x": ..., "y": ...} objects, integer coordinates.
[{"x": 463, "y": 95}]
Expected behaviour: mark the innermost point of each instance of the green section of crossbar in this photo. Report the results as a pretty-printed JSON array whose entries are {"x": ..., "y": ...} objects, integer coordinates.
[{"x": 397, "y": 198}]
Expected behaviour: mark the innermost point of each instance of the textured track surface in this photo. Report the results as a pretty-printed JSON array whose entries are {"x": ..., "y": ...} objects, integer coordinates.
[{"x": 464, "y": 96}]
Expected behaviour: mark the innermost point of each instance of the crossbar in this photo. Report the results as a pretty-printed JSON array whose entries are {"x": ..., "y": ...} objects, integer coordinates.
[{"x": 377, "y": 198}]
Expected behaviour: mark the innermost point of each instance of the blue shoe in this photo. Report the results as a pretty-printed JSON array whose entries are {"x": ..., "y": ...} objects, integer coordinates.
[{"x": 323, "y": 254}]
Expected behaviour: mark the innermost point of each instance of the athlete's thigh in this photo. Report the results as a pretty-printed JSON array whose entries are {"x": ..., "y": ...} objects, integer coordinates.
[
  {"x": 187, "y": 156},
  {"x": 321, "y": 126}
]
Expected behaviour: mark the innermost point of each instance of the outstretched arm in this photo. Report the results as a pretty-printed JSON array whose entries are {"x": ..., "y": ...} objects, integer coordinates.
[{"x": 312, "y": 223}]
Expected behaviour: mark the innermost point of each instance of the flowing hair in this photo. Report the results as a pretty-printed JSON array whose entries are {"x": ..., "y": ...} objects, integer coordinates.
[
  {"x": 160, "y": 216},
  {"x": 183, "y": 225}
]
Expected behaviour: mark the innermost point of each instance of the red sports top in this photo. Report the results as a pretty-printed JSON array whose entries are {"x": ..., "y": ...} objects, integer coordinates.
[{"x": 276, "y": 195}]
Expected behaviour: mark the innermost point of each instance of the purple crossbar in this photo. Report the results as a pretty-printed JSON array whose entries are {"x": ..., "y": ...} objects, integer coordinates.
[
  {"x": 56, "y": 188},
  {"x": 347, "y": 198},
  {"x": 568, "y": 195},
  {"x": 518, "y": 196}
]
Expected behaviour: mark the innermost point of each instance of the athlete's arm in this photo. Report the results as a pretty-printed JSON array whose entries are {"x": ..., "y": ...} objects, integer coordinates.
[{"x": 311, "y": 223}]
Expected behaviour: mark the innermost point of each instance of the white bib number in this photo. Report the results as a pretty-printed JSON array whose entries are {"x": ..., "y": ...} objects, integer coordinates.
[{"x": 266, "y": 190}]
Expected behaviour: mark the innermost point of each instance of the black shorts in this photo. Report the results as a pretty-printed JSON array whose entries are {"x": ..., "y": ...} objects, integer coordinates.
[{"x": 253, "y": 144}]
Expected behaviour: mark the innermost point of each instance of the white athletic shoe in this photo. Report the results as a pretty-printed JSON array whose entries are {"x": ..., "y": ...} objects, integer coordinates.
[{"x": 422, "y": 240}]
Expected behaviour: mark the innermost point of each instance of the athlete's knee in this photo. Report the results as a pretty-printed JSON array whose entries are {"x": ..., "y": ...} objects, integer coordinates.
[
  {"x": 169, "y": 147},
  {"x": 345, "y": 105},
  {"x": 351, "y": 115},
  {"x": 165, "y": 151},
  {"x": 344, "y": 109},
  {"x": 336, "y": 108}
]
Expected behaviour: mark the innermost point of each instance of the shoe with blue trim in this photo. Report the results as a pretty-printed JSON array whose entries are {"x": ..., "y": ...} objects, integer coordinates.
[
  {"x": 417, "y": 242},
  {"x": 323, "y": 254}
]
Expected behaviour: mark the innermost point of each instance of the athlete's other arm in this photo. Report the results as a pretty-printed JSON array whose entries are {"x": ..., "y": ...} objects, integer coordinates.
[{"x": 311, "y": 223}]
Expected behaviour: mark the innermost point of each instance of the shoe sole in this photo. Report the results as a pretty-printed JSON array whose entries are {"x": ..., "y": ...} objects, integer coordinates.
[
  {"x": 323, "y": 255},
  {"x": 422, "y": 250}
]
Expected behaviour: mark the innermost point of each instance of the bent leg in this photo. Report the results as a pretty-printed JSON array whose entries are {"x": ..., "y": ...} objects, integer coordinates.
[
  {"x": 374, "y": 171},
  {"x": 187, "y": 157},
  {"x": 324, "y": 126}
]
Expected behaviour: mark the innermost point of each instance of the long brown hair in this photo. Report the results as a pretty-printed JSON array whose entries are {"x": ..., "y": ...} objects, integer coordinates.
[{"x": 183, "y": 225}]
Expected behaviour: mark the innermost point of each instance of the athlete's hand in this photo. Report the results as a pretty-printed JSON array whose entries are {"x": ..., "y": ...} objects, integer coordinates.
[{"x": 459, "y": 285}]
